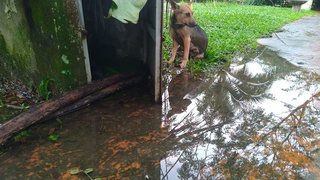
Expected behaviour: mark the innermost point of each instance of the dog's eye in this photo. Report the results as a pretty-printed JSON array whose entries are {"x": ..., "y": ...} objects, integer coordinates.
[{"x": 187, "y": 14}]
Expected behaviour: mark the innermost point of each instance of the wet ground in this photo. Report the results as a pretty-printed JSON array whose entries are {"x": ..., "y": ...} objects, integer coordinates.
[
  {"x": 14, "y": 99},
  {"x": 257, "y": 118},
  {"x": 298, "y": 43}
]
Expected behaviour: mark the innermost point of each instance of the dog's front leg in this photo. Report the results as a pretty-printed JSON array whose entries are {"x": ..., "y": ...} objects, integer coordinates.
[
  {"x": 186, "y": 48},
  {"x": 173, "y": 51}
]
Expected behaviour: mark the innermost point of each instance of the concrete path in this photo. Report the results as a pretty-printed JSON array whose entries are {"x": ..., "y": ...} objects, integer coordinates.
[{"x": 299, "y": 43}]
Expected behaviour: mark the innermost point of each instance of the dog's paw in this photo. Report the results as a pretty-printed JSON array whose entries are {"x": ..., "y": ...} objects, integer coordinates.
[{"x": 183, "y": 64}]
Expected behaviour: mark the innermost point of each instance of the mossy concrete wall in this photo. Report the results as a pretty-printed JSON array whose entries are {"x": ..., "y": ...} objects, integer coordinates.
[
  {"x": 41, "y": 40},
  {"x": 17, "y": 58}
]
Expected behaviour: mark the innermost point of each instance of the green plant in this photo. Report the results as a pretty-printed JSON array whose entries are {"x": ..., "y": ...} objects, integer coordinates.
[
  {"x": 44, "y": 88},
  {"x": 23, "y": 106},
  {"x": 21, "y": 136},
  {"x": 283, "y": 3},
  {"x": 53, "y": 137},
  {"x": 2, "y": 104}
]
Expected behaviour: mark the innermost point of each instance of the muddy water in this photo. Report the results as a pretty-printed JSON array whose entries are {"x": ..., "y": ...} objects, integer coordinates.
[
  {"x": 250, "y": 119},
  {"x": 117, "y": 137}
]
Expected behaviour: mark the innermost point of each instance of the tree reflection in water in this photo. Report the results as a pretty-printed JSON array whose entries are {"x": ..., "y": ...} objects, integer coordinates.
[{"x": 229, "y": 129}]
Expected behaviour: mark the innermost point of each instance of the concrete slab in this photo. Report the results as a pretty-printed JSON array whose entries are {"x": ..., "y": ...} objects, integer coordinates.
[{"x": 299, "y": 43}]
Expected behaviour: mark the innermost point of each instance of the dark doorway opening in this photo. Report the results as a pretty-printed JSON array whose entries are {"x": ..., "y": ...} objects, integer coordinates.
[
  {"x": 114, "y": 47},
  {"x": 316, "y": 5}
]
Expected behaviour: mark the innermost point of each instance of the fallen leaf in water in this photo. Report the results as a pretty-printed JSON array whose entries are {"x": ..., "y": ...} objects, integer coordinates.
[
  {"x": 136, "y": 113},
  {"x": 89, "y": 170},
  {"x": 136, "y": 165},
  {"x": 75, "y": 171}
]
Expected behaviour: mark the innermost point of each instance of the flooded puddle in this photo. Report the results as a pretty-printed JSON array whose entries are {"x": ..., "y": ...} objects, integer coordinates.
[{"x": 254, "y": 118}]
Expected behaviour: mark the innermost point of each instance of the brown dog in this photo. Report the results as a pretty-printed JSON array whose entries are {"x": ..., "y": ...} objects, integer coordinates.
[{"x": 186, "y": 33}]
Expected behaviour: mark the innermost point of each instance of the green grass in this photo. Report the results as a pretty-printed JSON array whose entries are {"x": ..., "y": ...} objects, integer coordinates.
[{"x": 233, "y": 29}]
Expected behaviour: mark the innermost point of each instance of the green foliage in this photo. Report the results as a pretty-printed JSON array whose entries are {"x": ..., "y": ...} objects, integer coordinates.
[
  {"x": 254, "y": 2},
  {"x": 2, "y": 104},
  {"x": 44, "y": 88},
  {"x": 53, "y": 137},
  {"x": 283, "y": 3},
  {"x": 24, "y": 107},
  {"x": 22, "y": 135},
  {"x": 233, "y": 29}
]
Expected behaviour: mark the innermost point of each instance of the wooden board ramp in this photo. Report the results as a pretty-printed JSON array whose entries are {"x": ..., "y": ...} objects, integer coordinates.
[{"x": 68, "y": 102}]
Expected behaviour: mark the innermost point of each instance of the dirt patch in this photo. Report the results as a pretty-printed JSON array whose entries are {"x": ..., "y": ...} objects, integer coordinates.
[{"x": 15, "y": 98}]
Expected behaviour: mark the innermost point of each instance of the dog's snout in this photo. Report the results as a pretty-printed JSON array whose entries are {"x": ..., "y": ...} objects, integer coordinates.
[
  {"x": 190, "y": 19},
  {"x": 193, "y": 23}
]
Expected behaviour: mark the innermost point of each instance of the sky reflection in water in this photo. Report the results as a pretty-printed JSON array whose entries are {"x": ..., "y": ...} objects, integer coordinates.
[{"x": 252, "y": 119}]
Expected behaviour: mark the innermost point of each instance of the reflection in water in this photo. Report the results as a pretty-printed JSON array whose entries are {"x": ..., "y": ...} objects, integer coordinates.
[
  {"x": 257, "y": 118},
  {"x": 253, "y": 119}
]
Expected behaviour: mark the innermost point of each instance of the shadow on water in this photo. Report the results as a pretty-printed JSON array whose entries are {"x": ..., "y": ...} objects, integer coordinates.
[{"x": 252, "y": 119}]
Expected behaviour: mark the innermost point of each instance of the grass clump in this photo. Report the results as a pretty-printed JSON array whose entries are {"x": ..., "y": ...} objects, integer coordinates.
[{"x": 233, "y": 29}]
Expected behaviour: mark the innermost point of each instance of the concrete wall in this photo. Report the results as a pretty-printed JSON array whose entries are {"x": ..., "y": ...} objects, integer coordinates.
[
  {"x": 41, "y": 40},
  {"x": 17, "y": 58}
]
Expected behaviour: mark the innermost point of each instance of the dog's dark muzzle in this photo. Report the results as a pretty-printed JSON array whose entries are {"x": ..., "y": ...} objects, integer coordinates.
[
  {"x": 178, "y": 26},
  {"x": 191, "y": 25}
]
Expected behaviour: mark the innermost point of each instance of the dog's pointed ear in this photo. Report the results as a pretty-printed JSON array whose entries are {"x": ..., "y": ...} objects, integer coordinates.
[
  {"x": 173, "y": 4},
  {"x": 190, "y": 4}
]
